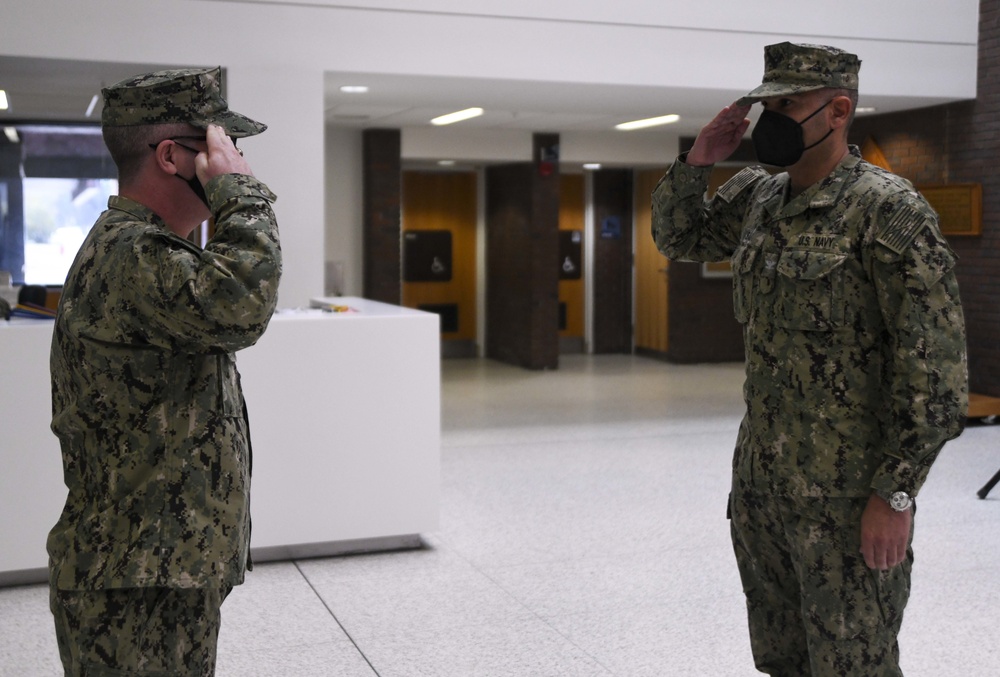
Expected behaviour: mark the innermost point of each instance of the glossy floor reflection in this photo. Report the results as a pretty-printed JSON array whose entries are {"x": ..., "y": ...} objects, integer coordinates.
[{"x": 582, "y": 532}]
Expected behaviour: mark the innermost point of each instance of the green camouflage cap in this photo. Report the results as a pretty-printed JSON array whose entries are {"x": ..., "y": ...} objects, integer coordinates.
[
  {"x": 192, "y": 95},
  {"x": 790, "y": 68}
]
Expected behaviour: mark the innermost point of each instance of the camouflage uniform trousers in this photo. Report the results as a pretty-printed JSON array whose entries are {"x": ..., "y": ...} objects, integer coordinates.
[
  {"x": 813, "y": 605},
  {"x": 138, "y": 632}
]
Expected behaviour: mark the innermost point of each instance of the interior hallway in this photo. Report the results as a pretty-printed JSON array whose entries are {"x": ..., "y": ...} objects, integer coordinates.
[{"x": 582, "y": 532}]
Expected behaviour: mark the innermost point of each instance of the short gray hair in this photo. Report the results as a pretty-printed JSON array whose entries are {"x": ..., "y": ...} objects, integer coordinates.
[
  {"x": 129, "y": 146},
  {"x": 851, "y": 94}
]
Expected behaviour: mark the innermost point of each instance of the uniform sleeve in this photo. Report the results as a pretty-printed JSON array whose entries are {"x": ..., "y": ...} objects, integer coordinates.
[
  {"x": 221, "y": 297},
  {"x": 913, "y": 270},
  {"x": 687, "y": 226}
]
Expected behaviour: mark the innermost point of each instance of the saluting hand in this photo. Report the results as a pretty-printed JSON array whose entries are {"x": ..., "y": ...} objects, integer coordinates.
[
  {"x": 719, "y": 138},
  {"x": 222, "y": 157}
]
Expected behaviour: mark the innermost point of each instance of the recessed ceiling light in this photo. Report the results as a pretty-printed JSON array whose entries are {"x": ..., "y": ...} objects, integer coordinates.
[
  {"x": 4, "y": 104},
  {"x": 354, "y": 89},
  {"x": 457, "y": 116},
  {"x": 648, "y": 122},
  {"x": 593, "y": 166},
  {"x": 865, "y": 109}
]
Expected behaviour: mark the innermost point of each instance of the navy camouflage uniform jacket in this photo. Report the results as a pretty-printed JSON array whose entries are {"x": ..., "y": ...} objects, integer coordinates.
[
  {"x": 852, "y": 325},
  {"x": 146, "y": 398}
]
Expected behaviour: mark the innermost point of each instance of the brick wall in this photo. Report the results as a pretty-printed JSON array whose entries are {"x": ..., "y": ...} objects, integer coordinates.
[
  {"x": 911, "y": 141},
  {"x": 612, "y": 321},
  {"x": 382, "y": 183},
  {"x": 702, "y": 327},
  {"x": 960, "y": 143},
  {"x": 522, "y": 275}
]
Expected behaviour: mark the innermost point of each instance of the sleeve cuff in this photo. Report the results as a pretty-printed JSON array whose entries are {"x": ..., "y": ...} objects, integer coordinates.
[
  {"x": 688, "y": 181},
  {"x": 227, "y": 186},
  {"x": 896, "y": 474}
]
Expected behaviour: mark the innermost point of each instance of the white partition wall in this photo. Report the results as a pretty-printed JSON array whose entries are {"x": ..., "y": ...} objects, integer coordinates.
[
  {"x": 345, "y": 414},
  {"x": 32, "y": 492},
  {"x": 345, "y": 424}
]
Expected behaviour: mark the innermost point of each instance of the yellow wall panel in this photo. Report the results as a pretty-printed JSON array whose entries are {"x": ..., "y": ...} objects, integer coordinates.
[
  {"x": 445, "y": 201},
  {"x": 571, "y": 217},
  {"x": 650, "y": 270}
]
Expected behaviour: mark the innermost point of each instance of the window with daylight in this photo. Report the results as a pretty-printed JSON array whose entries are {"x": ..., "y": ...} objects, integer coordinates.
[{"x": 54, "y": 182}]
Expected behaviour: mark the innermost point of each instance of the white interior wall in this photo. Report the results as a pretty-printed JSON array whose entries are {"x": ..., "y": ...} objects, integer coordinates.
[
  {"x": 645, "y": 147},
  {"x": 343, "y": 245},
  {"x": 291, "y": 164},
  {"x": 902, "y": 19},
  {"x": 465, "y": 145},
  {"x": 276, "y": 53},
  {"x": 629, "y": 149}
]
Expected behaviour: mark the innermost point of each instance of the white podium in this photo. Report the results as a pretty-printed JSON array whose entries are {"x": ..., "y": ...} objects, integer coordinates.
[{"x": 345, "y": 420}]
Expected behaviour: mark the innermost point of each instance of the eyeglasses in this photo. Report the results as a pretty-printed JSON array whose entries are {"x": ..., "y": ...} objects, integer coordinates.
[{"x": 195, "y": 138}]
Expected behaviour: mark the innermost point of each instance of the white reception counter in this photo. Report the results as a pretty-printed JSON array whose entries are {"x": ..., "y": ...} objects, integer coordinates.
[{"x": 345, "y": 420}]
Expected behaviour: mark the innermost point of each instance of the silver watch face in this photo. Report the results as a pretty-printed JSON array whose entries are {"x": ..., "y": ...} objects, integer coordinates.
[{"x": 900, "y": 501}]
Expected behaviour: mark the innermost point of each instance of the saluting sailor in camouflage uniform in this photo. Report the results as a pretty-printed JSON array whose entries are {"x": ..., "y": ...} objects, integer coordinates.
[
  {"x": 146, "y": 398},
  {"x": 855, "y": 362}
]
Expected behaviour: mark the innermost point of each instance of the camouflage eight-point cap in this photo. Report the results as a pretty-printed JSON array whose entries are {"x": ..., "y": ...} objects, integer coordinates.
[
  {"x": 791, "y": 68},
  {"x": 192, "y": 95}
]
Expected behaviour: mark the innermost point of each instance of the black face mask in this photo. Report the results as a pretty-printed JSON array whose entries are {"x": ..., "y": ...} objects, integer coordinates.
[
  {"x": 199, "y": 190},
  {"x": 777, "y": 138}
]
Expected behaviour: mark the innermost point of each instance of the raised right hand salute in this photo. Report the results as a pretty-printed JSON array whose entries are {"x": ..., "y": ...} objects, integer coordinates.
[{"x": 719, "y": 138}]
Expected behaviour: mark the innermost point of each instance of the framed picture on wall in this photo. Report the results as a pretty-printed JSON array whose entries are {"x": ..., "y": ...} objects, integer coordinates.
[
  {"x": 717, "y": 269},
  {"x": 959, "y": 206}
]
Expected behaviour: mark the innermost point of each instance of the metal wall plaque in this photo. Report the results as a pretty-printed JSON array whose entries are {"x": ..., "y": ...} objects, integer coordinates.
[
  {"x": 427, "y": 256},
  {"x": 570, "y": 254}
]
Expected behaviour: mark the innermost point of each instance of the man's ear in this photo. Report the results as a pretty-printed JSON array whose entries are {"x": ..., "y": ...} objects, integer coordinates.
[
  {"x": 165, "y": 154},
  {"x": 840, "y": 111}
]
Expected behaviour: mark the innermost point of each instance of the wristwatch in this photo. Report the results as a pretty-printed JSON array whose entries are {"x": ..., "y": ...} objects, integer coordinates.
[{"x": 900, "y": 501}]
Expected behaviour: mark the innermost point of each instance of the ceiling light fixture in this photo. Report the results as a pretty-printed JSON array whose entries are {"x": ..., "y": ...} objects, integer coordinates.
[
  {"x": 865, "y": 109},
  {"x": 354, "y": 89},
  {"x": 446, "y": 163},
  {"x": 11, "y": 134},
  {"x": 457, "y": 116},
  {"x": 648, "y": 122},
  {"x": 93, "y": 105},
  {"x": 592, "y": 166},
  {"x": 4, "y": 104}
]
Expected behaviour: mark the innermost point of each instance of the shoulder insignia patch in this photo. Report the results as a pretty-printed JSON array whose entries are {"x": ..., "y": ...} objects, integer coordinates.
[
  {"x": 743, "y": 179},
  {"x": 902, "y": 228}
]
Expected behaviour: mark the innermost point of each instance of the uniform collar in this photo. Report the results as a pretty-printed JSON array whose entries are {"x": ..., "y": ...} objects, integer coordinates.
[
  {"x": 136, "y": 209},
  {"x": 821, "y": 195}
]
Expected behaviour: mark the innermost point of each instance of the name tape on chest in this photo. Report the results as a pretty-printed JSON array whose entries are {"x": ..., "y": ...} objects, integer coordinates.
[{"x": 811, "y": 241}]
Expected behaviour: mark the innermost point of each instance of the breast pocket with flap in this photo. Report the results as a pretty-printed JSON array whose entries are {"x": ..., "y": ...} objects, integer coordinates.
[{"x": 810, "y": 290}]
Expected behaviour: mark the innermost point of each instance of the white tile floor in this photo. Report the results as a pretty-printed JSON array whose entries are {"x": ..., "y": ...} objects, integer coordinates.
[{"x": 583, "y": 532}]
